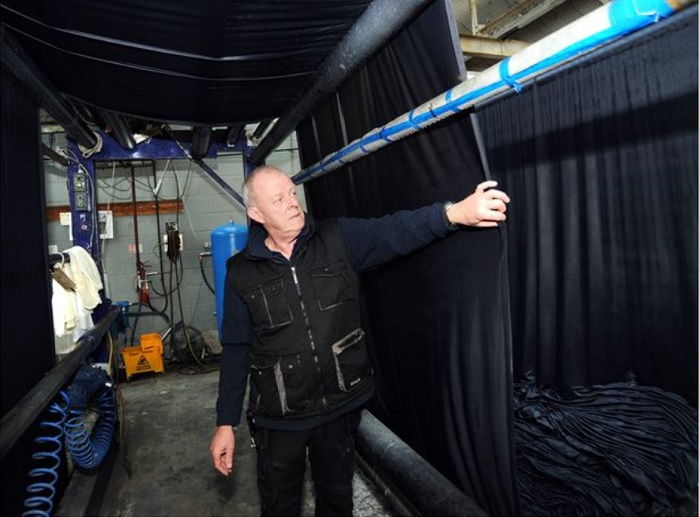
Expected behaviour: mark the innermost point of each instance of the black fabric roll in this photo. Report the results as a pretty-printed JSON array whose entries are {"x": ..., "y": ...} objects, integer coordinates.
[{"x": 613, "y": 449}]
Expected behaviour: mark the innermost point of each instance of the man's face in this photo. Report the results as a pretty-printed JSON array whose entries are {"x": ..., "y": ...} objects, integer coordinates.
[{"x": 275, "y": 203}]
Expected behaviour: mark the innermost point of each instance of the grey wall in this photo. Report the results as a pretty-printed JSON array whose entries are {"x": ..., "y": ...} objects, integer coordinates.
[{"x": 206, "y": 206}]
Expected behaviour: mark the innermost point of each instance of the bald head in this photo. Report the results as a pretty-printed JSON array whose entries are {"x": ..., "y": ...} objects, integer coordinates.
[
  {"x": 248, "y": 188},
  {"x": 271, "y": 200}
]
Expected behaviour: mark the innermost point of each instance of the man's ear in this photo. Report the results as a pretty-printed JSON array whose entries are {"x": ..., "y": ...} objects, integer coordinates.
[{"x": 255, "y": 215}]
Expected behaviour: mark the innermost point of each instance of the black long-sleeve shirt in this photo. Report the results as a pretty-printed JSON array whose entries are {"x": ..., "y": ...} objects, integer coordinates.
[{"x": 370, "y": 243}]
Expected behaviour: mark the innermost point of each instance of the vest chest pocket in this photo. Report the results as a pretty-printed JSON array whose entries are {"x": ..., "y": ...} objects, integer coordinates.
[
  {"x": 331, "y": 285},
  {"x": 268, "y": 306},
  {"x": 351, "y": 360}
]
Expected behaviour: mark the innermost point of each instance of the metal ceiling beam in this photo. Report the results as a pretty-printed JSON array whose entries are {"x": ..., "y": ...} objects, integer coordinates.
[
  {"x": 518, "y": 17},
  {"x": 50, "y": 153},
  {"x": 490, "y": 48},
  {"x": 380, "y": 22},
  {"x": 261, "y": 128},
  {"x": 41, "y": 90}
]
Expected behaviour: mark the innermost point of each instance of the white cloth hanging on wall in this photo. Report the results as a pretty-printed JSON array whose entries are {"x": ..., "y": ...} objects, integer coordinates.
[
  {"x": 86, "y": 276},
  {"x": 72, "y": 309}
]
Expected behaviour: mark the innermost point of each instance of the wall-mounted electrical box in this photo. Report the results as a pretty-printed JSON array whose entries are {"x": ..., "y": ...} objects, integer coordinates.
[
  {"x": 172, "y": 229},
  {"x": 105, "y": 222},
  {"x": 80, "y": 191},
  {"x": 180, "y": 239}
]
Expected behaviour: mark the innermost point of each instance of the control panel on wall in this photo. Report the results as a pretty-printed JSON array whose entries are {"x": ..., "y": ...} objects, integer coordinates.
[{"x": 82, "y": 201}]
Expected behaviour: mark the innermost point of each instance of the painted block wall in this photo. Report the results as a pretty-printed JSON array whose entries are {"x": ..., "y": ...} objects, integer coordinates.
[{"x": 206, "y": 206}]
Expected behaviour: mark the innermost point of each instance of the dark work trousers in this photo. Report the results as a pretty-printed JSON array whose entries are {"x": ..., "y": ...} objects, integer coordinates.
[{"x": 281, "y": 465}]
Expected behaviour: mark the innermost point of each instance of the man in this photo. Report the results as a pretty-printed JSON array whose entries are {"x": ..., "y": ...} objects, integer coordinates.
[{"x": 291, "y": 322}]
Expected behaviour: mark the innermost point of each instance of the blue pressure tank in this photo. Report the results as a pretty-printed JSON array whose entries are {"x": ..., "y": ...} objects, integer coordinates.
[{"x": 226, "y": 241}]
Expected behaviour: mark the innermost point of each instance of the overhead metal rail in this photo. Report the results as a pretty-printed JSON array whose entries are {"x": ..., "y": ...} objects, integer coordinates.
[
  {"x": 603, "y": 25},
  {"x": 380, "y": 22},
  {"x": 41, "y": 90}
]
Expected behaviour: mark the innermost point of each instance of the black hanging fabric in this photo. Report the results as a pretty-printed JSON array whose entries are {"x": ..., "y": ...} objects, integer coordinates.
[
  {"x": 600, "y": 251},
  {"x": 27, "y": 344},
  {"x": 27, "y": 328},
  {"x": 438, "y": 320},
  {"x": 601, "y": 163},
  {"x": 611, "y": 449}
]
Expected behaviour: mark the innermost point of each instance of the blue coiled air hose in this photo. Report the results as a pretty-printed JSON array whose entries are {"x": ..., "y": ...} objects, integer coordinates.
[
  {"x": 88, "y": 449},
  {"x": 43, "y": 490},
  {"x": 69, "y": 421}
]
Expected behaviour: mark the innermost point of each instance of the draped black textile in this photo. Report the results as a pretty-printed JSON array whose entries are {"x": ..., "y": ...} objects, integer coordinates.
[
  {"x": 610, "y": 449},
  {"x": 600, "y": 161},
  {"x": 209, "y": 62},
  {"x": 27, "y": 342},
  {"x": 27, "y": 325},
  {"x": 601, "y": 164},
  {"x": 437, "y": 320}
]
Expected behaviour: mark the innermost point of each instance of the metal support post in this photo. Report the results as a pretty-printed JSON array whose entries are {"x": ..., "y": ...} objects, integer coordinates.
[{"x": 83, "y": 202}]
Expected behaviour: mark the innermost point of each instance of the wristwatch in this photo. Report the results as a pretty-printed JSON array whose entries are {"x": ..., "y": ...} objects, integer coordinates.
[{"x": 450, "y": 225}]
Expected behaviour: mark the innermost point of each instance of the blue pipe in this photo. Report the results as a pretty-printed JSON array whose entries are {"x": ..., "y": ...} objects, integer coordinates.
[{"x": 625, "y": 16}]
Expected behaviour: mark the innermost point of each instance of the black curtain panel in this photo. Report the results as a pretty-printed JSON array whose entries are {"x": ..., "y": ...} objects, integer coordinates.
[
  {"x": 601, "y": 163},
  {"x": 27, "y": 326},
  {"x": 438, "y": 320},
  {"x": 27, "y": 345}
]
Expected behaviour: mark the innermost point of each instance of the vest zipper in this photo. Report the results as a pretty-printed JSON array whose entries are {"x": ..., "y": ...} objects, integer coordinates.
[{"x": 308, "y": 327}]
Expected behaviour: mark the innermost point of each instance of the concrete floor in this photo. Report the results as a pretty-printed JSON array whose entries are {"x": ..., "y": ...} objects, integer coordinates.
[{"x": 164, "y": 467}]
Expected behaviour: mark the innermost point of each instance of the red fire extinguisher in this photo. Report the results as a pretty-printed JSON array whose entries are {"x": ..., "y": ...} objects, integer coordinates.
[{"x": 143, "y": 287}]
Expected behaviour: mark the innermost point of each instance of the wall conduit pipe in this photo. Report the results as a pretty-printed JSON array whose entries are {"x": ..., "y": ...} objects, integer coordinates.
[{"x": 618, "y": 18}]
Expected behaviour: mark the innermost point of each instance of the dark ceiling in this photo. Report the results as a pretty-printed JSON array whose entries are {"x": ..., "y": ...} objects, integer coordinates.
[
  {"x": 129, "y": 67},
  {"x": 207, "y": 62}
]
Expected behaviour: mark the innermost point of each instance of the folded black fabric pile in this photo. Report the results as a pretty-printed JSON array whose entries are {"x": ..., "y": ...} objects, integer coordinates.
[{"x": 614, "y": 449}]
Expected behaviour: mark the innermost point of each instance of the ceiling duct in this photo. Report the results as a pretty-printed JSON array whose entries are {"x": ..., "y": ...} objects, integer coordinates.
[
  {"x": 234, "y": 133},
  {"x": 201, "y": 139},
  {"x": 119, "y": 127}
]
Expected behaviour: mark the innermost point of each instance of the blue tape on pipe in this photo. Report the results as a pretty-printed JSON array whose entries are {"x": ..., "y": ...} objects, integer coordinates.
[
  {"x": 506, "y": 77},
  {"x": 384, "y": 135},
  {"x": 626, "y": 15},
  {"x": 412, "y": 121},
  {"x": 447, "y": 98}
]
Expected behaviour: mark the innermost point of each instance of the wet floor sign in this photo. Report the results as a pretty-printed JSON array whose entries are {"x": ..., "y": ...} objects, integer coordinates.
[{"x": 138, "y": 359}]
